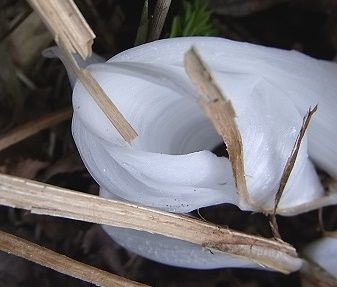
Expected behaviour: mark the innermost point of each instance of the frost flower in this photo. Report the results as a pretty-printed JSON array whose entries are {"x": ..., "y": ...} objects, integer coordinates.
[{"x": 170, "y": 164}]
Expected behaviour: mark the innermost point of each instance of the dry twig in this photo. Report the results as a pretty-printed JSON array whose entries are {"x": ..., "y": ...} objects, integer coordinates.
[
  {"x": 292, "y": 158},
  {"x": 220, "y": 111},
  {"x": 101, "y": 99},
  {"x": 288, "y": 169},
  {"x": 66, "y": 22},
  {"x": 44, "y": 199},
  {"x": 73, "y": 35},
  {"x": 63, "y": 264},
  {"x": 22, "y": 132}
]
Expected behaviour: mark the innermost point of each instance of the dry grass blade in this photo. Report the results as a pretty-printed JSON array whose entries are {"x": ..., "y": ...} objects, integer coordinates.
[
  {"x": 288, "y": 169},
  {"x": 220, "y": 111},
  {"x": 103, "y": 101},
  {"x": 160, "y": 13},
  {"x": 66, "y": 22},
  {"x": 22, "y": 132},
  {"x": 50, "y": 200},
  {"x": 293, "y": 155},
  {"x": 63, "y": 264}
]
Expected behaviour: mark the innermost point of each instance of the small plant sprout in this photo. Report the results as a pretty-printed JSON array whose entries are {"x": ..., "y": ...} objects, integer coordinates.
[{"x": 195, "y": 20}]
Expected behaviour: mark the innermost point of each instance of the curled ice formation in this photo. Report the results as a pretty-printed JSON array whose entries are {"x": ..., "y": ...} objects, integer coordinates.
[{"x": 170, "y": 166}]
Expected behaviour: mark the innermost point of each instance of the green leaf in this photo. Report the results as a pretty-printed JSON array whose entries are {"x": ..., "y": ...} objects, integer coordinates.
[{"x": 195, "y": 20}]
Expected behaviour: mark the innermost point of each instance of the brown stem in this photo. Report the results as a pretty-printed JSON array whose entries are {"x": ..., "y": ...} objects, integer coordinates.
[
  {"x": 33, "y": 127},
  {"x": 51, "y": 200},
  {"x": 63, "y": 264}
]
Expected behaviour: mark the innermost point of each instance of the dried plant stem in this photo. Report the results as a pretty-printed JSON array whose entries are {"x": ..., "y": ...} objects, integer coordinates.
[
  {"x": 66, "y": 22},
  {"x": 160, "y": 13},
  {"x": 73, "y": 35},
  {"x": 103, "y": 101},
  {"x": 288, "y": 169},
  {"x": 63, "y": 264},
  {"x": 100, "y": 97},
  {"x": 293, "y": 155},
  {"x": 221, "y": 112},
  {"x": 28, "y": 129},
  {"x": 50, "y": 200}
]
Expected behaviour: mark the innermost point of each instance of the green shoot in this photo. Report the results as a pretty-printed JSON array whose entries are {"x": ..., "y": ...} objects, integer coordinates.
[{"x": 195, "y": 20}]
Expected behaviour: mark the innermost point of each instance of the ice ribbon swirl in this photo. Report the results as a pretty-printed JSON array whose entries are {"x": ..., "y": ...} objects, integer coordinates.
[{"x": 170, "y": 164}]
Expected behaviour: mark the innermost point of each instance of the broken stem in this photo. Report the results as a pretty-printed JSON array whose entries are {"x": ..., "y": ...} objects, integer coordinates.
[
  {"x": 292, "y": 158},
  {"x": 65, "y": 22},
  {"x": 288, "y": 169},
  {"x": 221, "y": 112},
  {"x": 51, "y": 200},
  {"x": 63, "y": 264},
  {"x": 73, "y": 35}
]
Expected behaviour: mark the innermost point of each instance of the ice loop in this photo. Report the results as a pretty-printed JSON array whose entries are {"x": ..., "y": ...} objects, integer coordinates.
[{"x": 170, "y": 166}]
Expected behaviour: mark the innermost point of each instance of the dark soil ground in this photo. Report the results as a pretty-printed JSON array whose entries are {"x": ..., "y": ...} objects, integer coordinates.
[{"x": 51, "y": 156}]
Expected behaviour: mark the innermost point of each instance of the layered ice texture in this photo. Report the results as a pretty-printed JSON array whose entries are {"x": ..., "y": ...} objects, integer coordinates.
[{"x": 170, "y": 165}]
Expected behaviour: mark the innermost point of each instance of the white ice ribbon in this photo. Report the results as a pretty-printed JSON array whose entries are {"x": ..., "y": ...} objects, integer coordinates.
[{"x": 170, "y": 166}]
